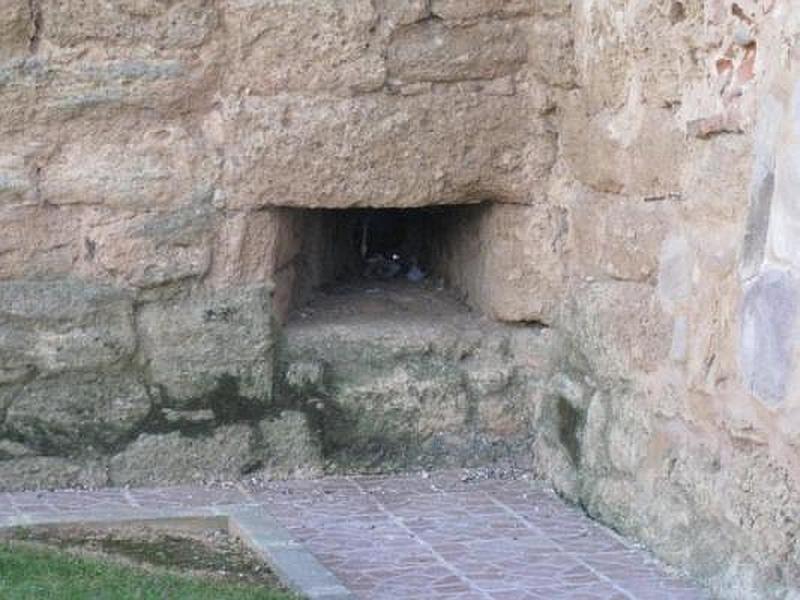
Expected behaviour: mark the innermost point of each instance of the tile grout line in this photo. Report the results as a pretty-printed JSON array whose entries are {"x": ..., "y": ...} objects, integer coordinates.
[
  {"x": 126, "y": 493},
  {"x": 9, "y": 500},
  {"x": 399, "y": 522},
  {"x": 284, "y": 567},
  {"x": 561, "y": 549}
]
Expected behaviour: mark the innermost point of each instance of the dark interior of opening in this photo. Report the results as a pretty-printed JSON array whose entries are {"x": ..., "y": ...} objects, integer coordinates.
[{"x": 418, "y": 246}]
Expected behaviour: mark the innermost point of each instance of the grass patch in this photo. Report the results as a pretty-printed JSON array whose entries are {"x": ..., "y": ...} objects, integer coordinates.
[{"x": 28, "y": 573}]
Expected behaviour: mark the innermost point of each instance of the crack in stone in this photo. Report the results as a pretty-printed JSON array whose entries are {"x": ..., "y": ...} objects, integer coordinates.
[{"x": 35, "y": 10}]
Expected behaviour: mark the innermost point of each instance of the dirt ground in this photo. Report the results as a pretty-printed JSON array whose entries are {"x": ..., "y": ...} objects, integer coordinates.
[
  {"x": 375, "y": 300},
  {"x": 208, "y": 553}
]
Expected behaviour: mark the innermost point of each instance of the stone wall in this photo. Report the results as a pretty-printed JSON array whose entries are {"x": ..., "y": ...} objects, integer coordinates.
[
  {"x": 639, "y": 161},
  {"x": 675, "y": 172},
  {"x": 157, "y": 164}
]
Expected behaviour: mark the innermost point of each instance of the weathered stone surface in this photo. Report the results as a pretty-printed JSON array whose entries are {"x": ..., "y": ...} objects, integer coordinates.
[
  {"x": 404, "y": 12},
  {"x": 49, "y": 472},
  {"x": 415, "y": 390},
  {"x": 678, "y": 424},
  {"x": 183, "y": 417},
  {"x": 675, "y": 275},
  {"x": 432, "y": 51},
  {"x": 617, "y": 339},
  {"x": 157, "y": 169},
  {"x": 306, "y": 378},
  {"x": 64, "y": 325},
  {"x": 7, "y": 393},
  {"x": 76, "y": 413},
  {"x": 16, "y": 28},
  {"x": 9, "y": 450},
  {"x": 148, "y": 146},
  {"x": 308, "y": 47},
  {"x": 154, "y": 458},
  {"x": 183, "y": 24},
  {"x": 784, "y": 225},
  {"x": 617, "y": 237},
  {"x": 16, "y": 186},
  {"x": 39, "y": 242},
  {"x": 762, "y": 185},
  {"x": 769, "y": 314},
  {"x": 252, "y": 247},
  {"x": 215, "y": 341},
  {"x": 552, "y": 52},
  {"x": 758, "y": 219},
  {"x": 290, "y": 445},
  {"x": 615, "y": 154},
  {"x": 381, "y": 151},
  {"x": 148, "y": 250},
  {"x": 39, "y": 92},
  {"x": 454, "y": 10},
  {"x": 520, "y": 278}
]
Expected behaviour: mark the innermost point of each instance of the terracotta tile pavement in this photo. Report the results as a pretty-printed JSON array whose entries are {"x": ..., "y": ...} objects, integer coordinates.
[{"x": 413, "y": 537}]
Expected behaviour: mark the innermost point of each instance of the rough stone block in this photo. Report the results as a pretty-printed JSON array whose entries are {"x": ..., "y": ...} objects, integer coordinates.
[
  {"x": 766, "y": 346},
  {"x": 617, "y": 156},
  {"x": 712, "y": 192},
  {"x": 381, "y": 151},
  {"x": 306, "y": 47},
  {"x": 148, "y": 250},
  {"x": 617, "y": 237},
  {"x": 15, "y": 181},
  {"x": 553, "y": 8},
  {"x": 505, "y": 404},
  {"x": 16, "y": 28},
  {"x": 286, "y": 294},
  {"x": 16, "y": 360},
  {"x": 552, "y": 52},
  {"x": 7, "y": 393},
  {"x": 535, "y": 349},
  {"x": 159, "y": 169},
  {"x": 38, "y": 241},
  {"x": 214, "y": 341},
  {"x": 415, "y": 392},
  {"x": 431, "y": 51},
  {"x": 514, "y": 273},
  {"x": 251, "y": 247},
  {"x": 306, "y": 378},
  {"x": 64, "y": 325},
  {"x": 784, "y": 219},
  {"x": 290, "y": 445},
  {"x": 758, "y": 218},
  {"x": 155, "y": 458},
  {"x": 675, "y": 273},
  {"x": 50, "y": 472},
  {"x": 74, "y": 413},
  {"x": 188, "y": 418},
  {"x": 49, "y": 94},
  {"x": 403, "y": 12},
  {"x": 620, "y": 327},
  {"x": 182, "y": 24},
  {"x": 9, "y": 450},
  {"x": 459, "y": 10}
]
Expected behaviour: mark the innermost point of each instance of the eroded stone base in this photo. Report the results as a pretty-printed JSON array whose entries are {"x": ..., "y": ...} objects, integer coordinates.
[
  {"x": 399, "y": 376},
  {"x": 375, "y": 376},
  {"x": 100, "y": 385}
]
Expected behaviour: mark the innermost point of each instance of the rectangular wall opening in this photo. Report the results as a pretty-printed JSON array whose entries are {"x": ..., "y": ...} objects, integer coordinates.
[{"x": 364, "y": 251}]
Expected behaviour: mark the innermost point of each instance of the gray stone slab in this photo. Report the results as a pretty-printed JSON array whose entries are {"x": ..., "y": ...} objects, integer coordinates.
[
  {"x": 295, "y": 565},
  {"x": 769, "y": 314}
]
